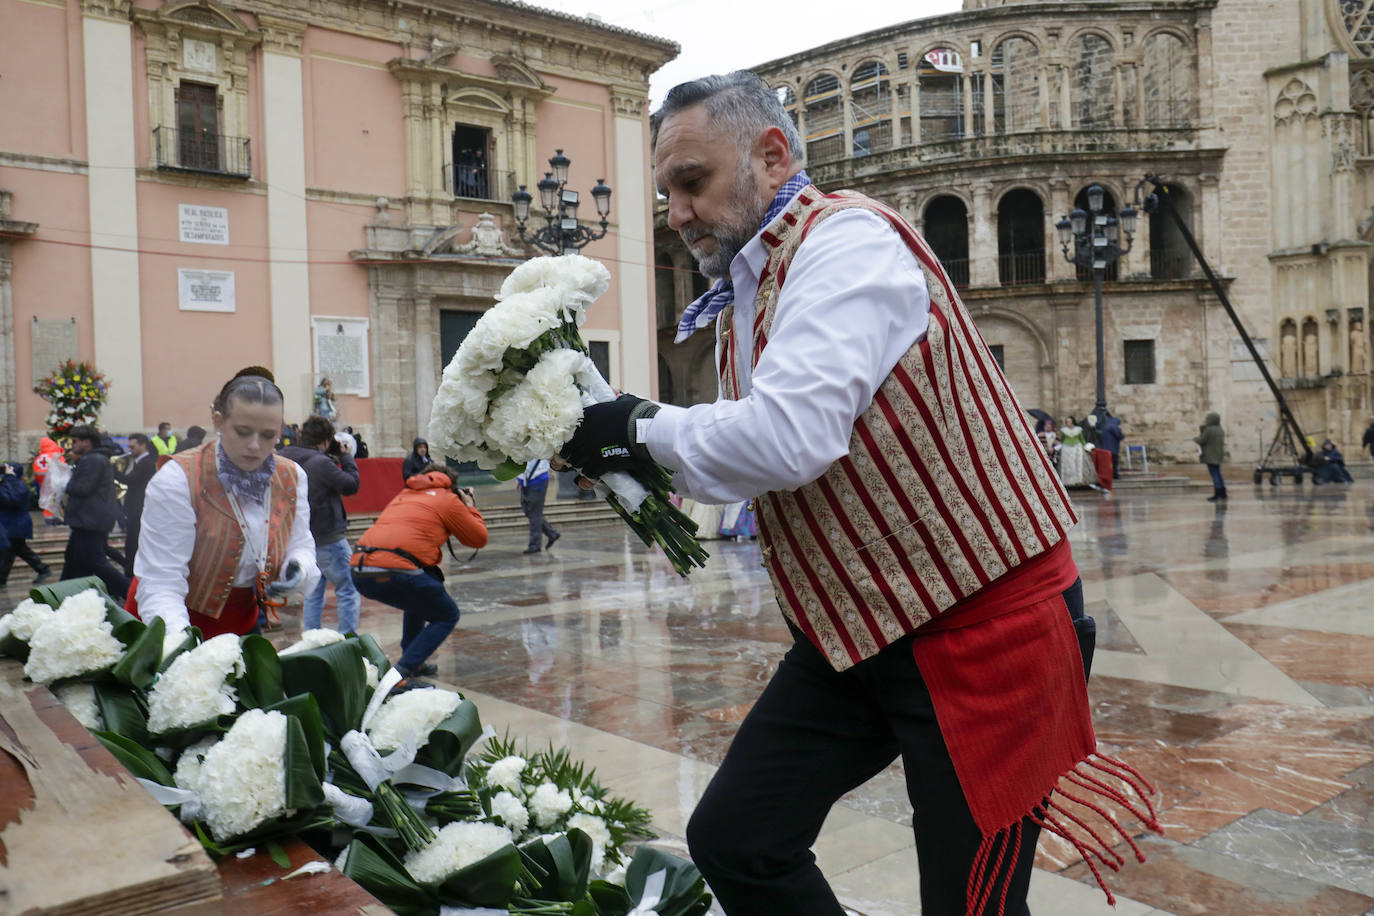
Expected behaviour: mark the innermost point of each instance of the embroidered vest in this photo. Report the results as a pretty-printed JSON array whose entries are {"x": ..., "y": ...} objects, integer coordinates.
[
  {"x": 944, "y": 488},
  {"x": 219, "y": 540}
]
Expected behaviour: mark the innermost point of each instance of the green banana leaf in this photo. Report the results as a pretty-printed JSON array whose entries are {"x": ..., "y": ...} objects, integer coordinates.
[
  {"x": 334, "y": 675},
  {"x": 138, "y": 667},
  {"x": 565, "y": 862},
  {"x": 487, "y": 882},
  {"x": 125, "y": 711},
  {"x": 261, "y": 684},
  {"x": 136, "y": 759},
  {"x": 375, "y": 867},
  {"x": 193, "y": 638},
  {"x": 306, "y": 711},
  {"x": 303, "y": 790},
  {"x": 373, "y": 652},
  {"x": 507, "y": 470},
  {"x": 451, "y": 740},
  {"x": 300, "y": 822},
  {"x": 15, "y": 648},
  {"x": 684, "y": 890},
  {"x": 54, "y": 594}
]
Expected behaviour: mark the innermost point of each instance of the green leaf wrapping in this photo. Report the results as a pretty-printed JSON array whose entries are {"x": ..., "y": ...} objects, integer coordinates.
[
  {"x": 377, "y": 870},
  {"x": 684, "y": 890},
  {"x": 192, "y": 639},
  {"x": 54, "y": 594},
  {"x": 303, "y": 788},
  {"x": 451, "y": 740},
  {"x": 334, "y": 675},
  {"x": 138, "y": 667},
  {"x": 124, "y": 711},
  {"x": 261, "y": 684},
  {"x": 507, "y": 470},
  {"x": 138, "y": 760},
  {"x": 306, "y": 711},
  {"x": 565, "y": 861},
  {"x": 486, "y": 882},
  {"x": 373, "y": 653},
  {"x": 14, "y": 647}
]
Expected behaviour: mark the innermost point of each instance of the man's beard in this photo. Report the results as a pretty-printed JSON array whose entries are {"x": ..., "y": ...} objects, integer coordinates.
[{"x": 731, "y": 234}]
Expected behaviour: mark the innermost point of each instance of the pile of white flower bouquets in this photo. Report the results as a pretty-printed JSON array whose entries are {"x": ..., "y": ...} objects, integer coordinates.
[
  {"x": 515, "y": 390},
  {"x": 411, "y": 796}
]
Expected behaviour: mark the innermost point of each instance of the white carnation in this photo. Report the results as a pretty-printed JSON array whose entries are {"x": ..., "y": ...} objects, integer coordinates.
[
  {"x": 549, "y": 803},
  {"x": 414, "y": 712},
  {"x": 75, "y": 640},
  {"x": 511, "y": 811},
  {"x": 370, "y": 676},
  {"x": 242, "y": 779},
  {"x": 195, "y": 688},
  {"x": 24, "y": 621},
  {"x": 505, "y": 773},
  {"x": 172, "y": 641},
  {"x": 534, "y": 419},
  {"x": 79, "y": 698},
  {"x": 579, "y": 278},
  {"x": 313, "y": 639},
  {"x": 455, "y": 846},
  {"x": 595, "y": 828},
  {"x": 187, "y": 773}
]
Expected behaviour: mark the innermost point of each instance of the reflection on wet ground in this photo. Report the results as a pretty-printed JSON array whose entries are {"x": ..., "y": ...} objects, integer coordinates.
[{"x": 1235, "y": 667}]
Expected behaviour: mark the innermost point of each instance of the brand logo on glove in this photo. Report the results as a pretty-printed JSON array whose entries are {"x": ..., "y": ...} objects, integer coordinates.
[{"x": 615, "y": 451}]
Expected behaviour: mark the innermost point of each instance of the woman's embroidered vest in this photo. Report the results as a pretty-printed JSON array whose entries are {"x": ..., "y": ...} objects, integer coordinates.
[
  {"x": 944, "y": 488},
  {"x": 219, "y": 540}
]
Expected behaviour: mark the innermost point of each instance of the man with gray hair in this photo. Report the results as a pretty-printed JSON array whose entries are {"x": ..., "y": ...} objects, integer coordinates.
[{"x": 915, "y": 533}]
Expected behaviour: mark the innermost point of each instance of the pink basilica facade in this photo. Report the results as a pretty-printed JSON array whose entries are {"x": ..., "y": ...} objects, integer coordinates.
[{"x": 192, "y": 186}]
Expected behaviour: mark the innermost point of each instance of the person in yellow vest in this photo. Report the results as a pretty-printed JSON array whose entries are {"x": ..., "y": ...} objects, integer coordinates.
[
  {"x": 165, "y": 442},
  {"x": 226, "y": 526},
  {"x": 914, "y": 530}
]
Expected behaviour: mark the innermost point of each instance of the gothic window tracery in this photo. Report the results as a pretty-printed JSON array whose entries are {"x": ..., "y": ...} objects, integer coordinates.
[{"x": 1358, "y": 18}]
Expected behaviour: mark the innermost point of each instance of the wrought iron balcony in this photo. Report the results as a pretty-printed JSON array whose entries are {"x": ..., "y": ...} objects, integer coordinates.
[
  {"x": 478, "y": 182},
  {"x": 202, "y": 152}
]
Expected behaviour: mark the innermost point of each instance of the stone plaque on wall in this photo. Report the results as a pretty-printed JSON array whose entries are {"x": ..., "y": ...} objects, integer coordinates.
[
  {"x": 341, "y": 354},
  {"x": 198, "y": 55},
  {"x": 51, "y": 343},
  {"x": 206, "y": 290}
]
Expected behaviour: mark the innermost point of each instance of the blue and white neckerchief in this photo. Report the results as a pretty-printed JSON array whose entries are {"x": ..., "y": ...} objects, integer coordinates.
[
  {"x": 705, "y": 309},
  {"x": 246, "y": 485}
]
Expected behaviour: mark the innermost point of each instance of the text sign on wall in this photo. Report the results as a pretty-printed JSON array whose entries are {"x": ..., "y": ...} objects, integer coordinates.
[
  {"x": 206, "y": 290},
  {"x": 341, "y": 354},
  {"x": 206, "y": 225},
  {"x": 51, "y": 343}
]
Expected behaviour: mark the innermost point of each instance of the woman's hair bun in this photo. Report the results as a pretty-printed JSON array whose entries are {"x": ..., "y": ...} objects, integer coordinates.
[{"x": 261, "y": 371}]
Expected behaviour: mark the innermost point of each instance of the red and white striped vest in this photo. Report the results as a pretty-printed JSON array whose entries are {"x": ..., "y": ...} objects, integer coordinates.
[{"x": 944, "y": 489}]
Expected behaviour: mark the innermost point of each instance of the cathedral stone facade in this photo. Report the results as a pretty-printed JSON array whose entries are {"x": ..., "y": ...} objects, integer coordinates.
[{"x": 985, "y": 127}]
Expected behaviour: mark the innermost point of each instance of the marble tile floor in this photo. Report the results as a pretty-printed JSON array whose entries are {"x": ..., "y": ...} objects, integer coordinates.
[{"x": 1235, "y": 668}]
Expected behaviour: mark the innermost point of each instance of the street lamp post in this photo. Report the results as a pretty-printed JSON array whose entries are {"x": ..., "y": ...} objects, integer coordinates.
[
  {"x": 562, "y": 233},
  {"x": 1092, "y": 238}
]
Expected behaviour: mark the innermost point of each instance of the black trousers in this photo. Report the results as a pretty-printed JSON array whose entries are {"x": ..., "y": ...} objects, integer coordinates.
[
  {"x": 19, "y": 547},
  {"x": 814, "y": 735},
  {"x": 532, "y": 504},
  {"x": 85, "y": 556}
]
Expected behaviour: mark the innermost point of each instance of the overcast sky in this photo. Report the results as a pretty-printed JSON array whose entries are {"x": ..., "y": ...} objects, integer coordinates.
[{"x": 720, "y": 35}]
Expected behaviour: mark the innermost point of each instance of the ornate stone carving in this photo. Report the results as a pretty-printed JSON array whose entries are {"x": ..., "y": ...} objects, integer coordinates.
[
  {"x": 1354, "y": 22},
  {"x": 1297, "y": 101},
  {"x": 107, "y": 9},
  {"x": 488, "y": 240},
  {"x": 281, "y": 35},
  {"x": 627, "y": 104}
]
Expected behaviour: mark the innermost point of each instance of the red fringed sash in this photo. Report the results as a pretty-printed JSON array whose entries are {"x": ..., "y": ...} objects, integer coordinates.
[{"x": 1012, "y": 702}]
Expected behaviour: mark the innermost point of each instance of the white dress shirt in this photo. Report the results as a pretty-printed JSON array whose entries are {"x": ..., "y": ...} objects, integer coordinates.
[
  {"x": 168, "y": 537},
  {"x": 855, "y": 300}
]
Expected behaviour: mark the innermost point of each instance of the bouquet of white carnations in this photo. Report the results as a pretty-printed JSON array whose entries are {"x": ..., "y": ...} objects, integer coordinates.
[{"x": 515, "y": 391}]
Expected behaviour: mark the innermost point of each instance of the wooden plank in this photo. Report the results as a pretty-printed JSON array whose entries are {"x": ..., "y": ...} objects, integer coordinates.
[
  {"x": 257, "y": 886},
  {"x": 66, "y": 802}
]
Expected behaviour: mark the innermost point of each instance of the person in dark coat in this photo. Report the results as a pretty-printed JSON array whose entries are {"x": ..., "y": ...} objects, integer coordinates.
[
  {"x": 332, "y": 475},
  {"x": 417, "y": 461},
  {"x": 358, "y": 437},
  {"x": 91, "y": 513},
  {"x": 195, "y": 435},
  {"x": 1211, "y": 439},
  {"x": 16, "y": 525},
  {"x": 136, "y": 478},
  {"x": 1368, "y": 440},
  {"x": 1331, "y": 466},
  {"x": 1110, "y": 439}
]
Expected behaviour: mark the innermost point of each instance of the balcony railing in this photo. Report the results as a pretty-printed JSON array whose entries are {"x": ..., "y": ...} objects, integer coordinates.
[
  {"x": 201, "y": 151},
  {"x": 1169, "y": 113},
  {"x": 479, "y": 183},
  {"x": 957, "y": 268},
  {"x": 1168, "y": 264},
  {"x": 1021, "y": 267}
]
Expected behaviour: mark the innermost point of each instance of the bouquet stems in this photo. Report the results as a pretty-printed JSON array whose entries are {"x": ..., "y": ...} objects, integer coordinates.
[{"x": 405, "y": 820}]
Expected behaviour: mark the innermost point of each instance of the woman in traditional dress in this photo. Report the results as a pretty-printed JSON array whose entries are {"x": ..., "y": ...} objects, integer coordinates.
[
  {"x": 1048, "y": 434},
  {"x": 226, "y": 526},
  {"x": 1075, "y": 467}
]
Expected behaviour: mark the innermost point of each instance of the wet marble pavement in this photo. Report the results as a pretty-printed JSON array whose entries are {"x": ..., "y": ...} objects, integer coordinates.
[{"x": 1235, "y": 668}]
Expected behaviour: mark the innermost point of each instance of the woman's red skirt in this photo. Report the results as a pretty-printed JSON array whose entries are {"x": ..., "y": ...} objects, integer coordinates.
[{"x": 240, "y": 614}]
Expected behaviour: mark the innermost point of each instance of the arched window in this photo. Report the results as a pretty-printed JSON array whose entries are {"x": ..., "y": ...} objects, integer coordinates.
[
  {"x": 1288, "y": 349},
  {"x": 946, "y": 231},
  {"x": 824, "y": 122},
  {"x": 1092, "y": 91},
  {"x": 665, "y": 291},
  {"x": 1020, "y": 238},
  {"x": 788, "y": 98},
  {"x": 1168, "y": 82},
  {"x": 1358, "y": 16},
  {"x": 941, "y": 96},
  {"x": 1109, "y": 210},
  {"x": 1016, "y": 85},
  {"x": 870, "y": 106},
  {"x": 1170, "y": 256},
  {"x": 1311, "y": 360}
]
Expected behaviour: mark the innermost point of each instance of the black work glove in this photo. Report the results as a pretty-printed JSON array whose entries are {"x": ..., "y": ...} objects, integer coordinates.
[{"x": 605, "y": 440}]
